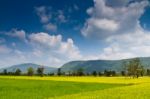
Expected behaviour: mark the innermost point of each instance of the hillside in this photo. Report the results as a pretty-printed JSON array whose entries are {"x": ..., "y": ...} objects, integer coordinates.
[
  {"x": 25, "y": 66},
  {"x": 101, "y": 65},
  {"x": 88, "y": 66}
]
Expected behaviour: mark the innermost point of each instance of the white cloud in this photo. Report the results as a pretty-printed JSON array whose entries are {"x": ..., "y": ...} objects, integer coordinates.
[
  {"x": 46, "y": 16},
  {"x": 52, "y": 47},
  {"x": 44, "y": 39},
  {"x": 52, "y": 43},
  {"x": 107, "y": 20},
  {"x": 137, "y": 44},
  {"x": 61, "y": 17},
  {"x": 125, "y": 46},
  {"x": 12, "y": 58},
  {"x": 49, "y": 18},
  {"x": 68, "y": 48},
  {"x": 43, "y": 14},
  {"x": 21, "y": 34},
  {"x": 118, "y": 25},
  {"x": 43, "y": 48},
  {"x": 50, "y": 27}
]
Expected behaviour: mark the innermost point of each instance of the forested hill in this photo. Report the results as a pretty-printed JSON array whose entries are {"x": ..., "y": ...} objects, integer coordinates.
[
  {"x": 101, "y": 65},
  {"x": 25, "y": 66}
]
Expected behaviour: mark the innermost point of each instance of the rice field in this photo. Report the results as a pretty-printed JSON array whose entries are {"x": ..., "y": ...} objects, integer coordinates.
[{"x": 23, "y": 87}]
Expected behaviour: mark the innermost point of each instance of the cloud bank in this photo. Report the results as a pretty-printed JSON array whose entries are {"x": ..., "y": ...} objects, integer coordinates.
[
  {"x": 118, "y": 25},
  {"x": 43, "y": 49}
]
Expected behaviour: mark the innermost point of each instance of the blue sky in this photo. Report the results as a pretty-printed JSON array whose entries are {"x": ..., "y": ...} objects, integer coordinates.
[{"x": 53, "y": 32}]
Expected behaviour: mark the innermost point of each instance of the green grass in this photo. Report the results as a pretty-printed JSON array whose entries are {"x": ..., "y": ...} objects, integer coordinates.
[
  {"x": 24, "y": 87},
  {"x": 43, "y": 89}
]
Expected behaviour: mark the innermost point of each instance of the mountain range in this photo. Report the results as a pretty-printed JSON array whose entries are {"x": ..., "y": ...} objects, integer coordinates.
[
  {"x": 88, "y": 66},
  {"x": 25, "y": 66},
  {"x": 101, "y": 65}
]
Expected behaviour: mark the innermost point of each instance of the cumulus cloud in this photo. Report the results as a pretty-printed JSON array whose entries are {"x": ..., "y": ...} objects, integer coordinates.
[
  {"x": 118, "y": 25},
  {"x": 54, "y": 45},
  {"x": 45, "y": 40},
  {"x": 107, "y": 19},
  {"x": 132, "y": 44},
  {"x": 43, "y": 48},
  {"x": 51, "y": 49},
  {"x": 125, "y": 46},
  {"x": 21, "y": 34}
]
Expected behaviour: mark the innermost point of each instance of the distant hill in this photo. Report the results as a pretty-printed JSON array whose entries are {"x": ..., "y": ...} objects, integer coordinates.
[
  {"x": 88, "y": 66},
  {"x": 101, "y": 65},
  {"x": 25, "y": 66}
]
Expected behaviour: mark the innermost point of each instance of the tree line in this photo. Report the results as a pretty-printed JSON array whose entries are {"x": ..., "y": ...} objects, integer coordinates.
[
  {"x": 132, "y": 68},
  {"x": 30, "y": 72},
  {"x": 40, "y": 72}
]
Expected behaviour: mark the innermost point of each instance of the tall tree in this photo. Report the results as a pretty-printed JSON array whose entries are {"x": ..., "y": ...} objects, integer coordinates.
[
  {"x": 5, "y": 72},
  {"x": 148, "y": 72},
  {"x": 30, "y": 71},
  {"x": 40, "y": 71},
  {"x": 18, "y": 72},
  {"x": 124, "y": 66},
  {"x": 134, "y": 67},
  {"x": 59, "y": 72},
  {"x": 94, "y": 73},
  {"x": 99, "y": 73},
  {"x": 80, "y": 72}
]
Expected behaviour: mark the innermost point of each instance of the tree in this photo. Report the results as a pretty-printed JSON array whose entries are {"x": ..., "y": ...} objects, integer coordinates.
[
  {"x": 51, "y": 74},
  {"x": 113, "y": 73},
  {"x": 87, "y": 74},
  {"x": 148, "y": 72},
  {"x": 40, "y": 71},
  {"x": 5, "y": 72},
  {"x": 94, "y": 73},
  {"x": 123, "y": 73},
  {"x": 142, "y": 71},
  {"x": 125, "y": 68},
  {"x": 100, "y": 74},
  {"x": 107, "y": 73},
  {"x": 30, "y": 71},
  {"x": 59, "y": 72},
  {"x": 18, "y": 72},
  {"x": 80, "y": 72},
  {"x": 134, "y": 68}
]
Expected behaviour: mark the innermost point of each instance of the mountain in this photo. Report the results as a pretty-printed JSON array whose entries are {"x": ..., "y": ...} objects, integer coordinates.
[
  {"x": 101, "y": 65},
  {"x": 25, "y": 66}
]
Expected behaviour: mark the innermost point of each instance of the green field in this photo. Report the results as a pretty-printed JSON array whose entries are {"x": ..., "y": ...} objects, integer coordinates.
[{"x": 22, "y": 87}]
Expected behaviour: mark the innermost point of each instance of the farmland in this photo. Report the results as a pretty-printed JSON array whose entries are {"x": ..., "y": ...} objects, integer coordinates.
[{"x": 23, "y": 87}]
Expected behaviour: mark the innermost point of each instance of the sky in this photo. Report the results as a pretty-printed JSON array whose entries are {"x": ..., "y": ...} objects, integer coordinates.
[{"x": 53, "y": 32}]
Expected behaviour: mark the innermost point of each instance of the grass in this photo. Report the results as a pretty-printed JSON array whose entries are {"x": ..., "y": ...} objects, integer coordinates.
[
  {"x": 40, "y": 89},
  {"x": 23, "y": 87},
  {"x": 138, "y": 91}
]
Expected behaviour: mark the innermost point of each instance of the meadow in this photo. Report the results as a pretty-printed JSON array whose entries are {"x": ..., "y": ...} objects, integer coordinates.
[{"x": 23, "y": 87}]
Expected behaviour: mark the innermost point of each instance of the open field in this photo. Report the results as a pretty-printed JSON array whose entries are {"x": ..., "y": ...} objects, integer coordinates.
[{"x": 23, "y": 87}]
